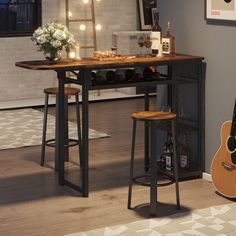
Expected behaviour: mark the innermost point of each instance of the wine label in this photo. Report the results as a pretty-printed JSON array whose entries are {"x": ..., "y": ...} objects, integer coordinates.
[
  {"x": 183, "y": 161},
  {"x": 168, "y": 162},
  {"x": 156, "y": 40},
  {"x": 166, "y": 45}
]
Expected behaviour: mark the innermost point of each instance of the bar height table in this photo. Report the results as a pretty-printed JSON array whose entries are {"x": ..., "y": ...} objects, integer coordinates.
[{"x": 83, "y": 70}]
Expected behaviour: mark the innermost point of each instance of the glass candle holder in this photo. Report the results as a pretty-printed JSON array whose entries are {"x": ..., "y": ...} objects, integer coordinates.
[{"x": 77, "y": 52}]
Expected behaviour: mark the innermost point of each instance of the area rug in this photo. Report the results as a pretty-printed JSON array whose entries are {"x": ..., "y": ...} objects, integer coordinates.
[
  {"x": 23, "y": 127},
  {"x": 217, "y": 221}
]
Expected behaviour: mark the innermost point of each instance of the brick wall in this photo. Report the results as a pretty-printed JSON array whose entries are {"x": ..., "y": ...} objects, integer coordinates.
[{"x": 17, "y": 83}]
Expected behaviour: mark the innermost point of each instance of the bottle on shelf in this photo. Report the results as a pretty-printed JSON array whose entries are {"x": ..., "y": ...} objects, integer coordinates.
[
  {"x": 163, "y": 157},
  {"x": 168, "y": 42},
  {"x": 156, "y": 36},
  {"x": 185, "y": 152},
  {"x": 169, "y": 152}
]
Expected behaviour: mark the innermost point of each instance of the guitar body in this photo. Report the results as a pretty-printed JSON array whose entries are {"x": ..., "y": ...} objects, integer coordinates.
[{"x": 223, "y": 167}]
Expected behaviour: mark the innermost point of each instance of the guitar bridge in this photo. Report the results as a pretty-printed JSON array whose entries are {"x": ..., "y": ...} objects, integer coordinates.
[{"x": 228, "y": 166}]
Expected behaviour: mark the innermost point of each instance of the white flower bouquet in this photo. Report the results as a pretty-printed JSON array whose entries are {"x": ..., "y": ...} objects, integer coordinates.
[{"x": 52, "y": 38}]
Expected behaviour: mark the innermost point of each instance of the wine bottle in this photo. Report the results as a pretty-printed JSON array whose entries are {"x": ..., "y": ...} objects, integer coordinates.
[
  {"x": 168, "y": 42},
  {"x": 169, "y": 152},
  {"x": 185, "y": 153},
  {"x": 156, "y": 35}
]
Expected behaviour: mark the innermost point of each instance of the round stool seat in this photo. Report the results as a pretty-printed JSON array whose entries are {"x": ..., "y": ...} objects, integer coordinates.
[
  {"x": 153, "y": 115},
  {"x": 68, "y": 91}
]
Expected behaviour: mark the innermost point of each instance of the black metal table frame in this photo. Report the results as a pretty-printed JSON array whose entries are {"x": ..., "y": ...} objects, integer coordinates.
[{"x": 85, "y": 81}]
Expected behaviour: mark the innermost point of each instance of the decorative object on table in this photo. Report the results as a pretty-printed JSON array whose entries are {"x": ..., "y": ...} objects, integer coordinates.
[
  {"x": 107, "y": 55},
  {"x": 156, "y": 34},
  {"x": 145, "y": 13},
  {"x": 74, "y": 53},
  {"x": 220, "y": 10},
  {"x": 223, "y": 167},
  {"x": 140, "y": 41},
  {"x": 52, "y": 39},
  {"x": 168, "y": 42},
  {"x": 147, "y": 44}
]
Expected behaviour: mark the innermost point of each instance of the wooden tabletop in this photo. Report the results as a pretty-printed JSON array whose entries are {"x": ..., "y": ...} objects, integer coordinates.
[{"x": 91, "y": 63}]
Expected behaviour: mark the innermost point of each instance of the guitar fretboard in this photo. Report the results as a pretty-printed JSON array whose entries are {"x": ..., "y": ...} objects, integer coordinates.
[{"x": 233, "y": 127}]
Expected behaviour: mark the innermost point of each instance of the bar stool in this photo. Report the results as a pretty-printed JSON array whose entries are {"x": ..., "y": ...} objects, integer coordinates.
[
  {"x": 69, "y": 91},
  {"x": 152, "y": 119}
]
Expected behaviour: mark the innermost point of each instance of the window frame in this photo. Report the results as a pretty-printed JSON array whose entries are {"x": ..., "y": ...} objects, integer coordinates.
[{"x": 37, "y": 19}]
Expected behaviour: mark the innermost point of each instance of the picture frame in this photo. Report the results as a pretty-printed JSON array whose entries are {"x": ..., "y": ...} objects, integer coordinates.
[
  {"x": 145, "y": 13},
  {"x": 221, "y": 10}
]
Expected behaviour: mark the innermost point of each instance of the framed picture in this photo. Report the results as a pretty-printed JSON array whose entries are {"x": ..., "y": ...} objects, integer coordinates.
[
  {"x": 221, "y": 9},
  {"x": 145, "y": 13}
]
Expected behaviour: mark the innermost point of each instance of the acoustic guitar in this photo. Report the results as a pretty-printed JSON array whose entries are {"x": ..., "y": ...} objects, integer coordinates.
[{"x": 223, "y": 167}]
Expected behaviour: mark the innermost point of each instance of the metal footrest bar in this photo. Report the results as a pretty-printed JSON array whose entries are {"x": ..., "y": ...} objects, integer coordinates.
[
  {"x": 72, "y": 185},
  {"x": 136, "y": 180},
  {"x": 71, "y": 143}
]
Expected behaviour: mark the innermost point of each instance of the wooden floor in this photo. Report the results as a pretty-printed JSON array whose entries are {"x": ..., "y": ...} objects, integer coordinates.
[{"x": 32, "y": 203}]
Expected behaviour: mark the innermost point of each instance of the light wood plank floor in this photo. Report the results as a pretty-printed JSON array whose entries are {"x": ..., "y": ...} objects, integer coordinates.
[{"x": 32, "y": 203}]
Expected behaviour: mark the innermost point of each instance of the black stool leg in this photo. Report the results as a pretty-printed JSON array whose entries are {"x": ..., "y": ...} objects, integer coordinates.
[
  {"x": 131, "y": 172},
  {"x": 57, "y": 134},
  {"x": 78, "y": 127},
  {"x": 44, "y": 130},
  {"x": 175, "y": 163},
  {"x": 153, "y": 170},
  {"x": 66, "y": 129}
]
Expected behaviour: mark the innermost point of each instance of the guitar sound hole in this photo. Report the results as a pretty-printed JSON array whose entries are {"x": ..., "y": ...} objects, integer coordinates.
[{"x": 231, "y": 143}]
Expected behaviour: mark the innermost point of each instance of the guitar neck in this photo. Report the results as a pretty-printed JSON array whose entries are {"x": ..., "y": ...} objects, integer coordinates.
[{"x": 233, "y": 127}]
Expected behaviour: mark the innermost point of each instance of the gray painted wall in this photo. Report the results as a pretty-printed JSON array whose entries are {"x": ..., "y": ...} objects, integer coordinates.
[{"x": 217, "y": 43}]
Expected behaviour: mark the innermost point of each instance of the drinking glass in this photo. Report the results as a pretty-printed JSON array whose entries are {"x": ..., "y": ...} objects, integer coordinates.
[
  {"x": 140, "y": 41},
  {"x": 147, "y": 43}
]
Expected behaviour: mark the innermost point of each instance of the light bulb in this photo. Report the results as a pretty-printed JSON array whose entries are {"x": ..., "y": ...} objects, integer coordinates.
[
  {"x": 98, "y": 0},
  {"x": 98, "y": 27},
  {"x": 82, "y": 27},
  {"x": 69, "y": 14},
  {"x": 85, "y": 1}
]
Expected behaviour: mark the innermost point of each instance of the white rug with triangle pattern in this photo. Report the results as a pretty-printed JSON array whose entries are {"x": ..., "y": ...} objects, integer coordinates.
[
  {"x": 215, "y": 221},
  {"x": 23, "y": 127}
]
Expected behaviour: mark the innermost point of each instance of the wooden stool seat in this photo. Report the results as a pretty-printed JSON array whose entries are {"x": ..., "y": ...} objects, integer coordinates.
[
  {"x": 68, "y": 91},
  {"x": 153, "y": 115}
]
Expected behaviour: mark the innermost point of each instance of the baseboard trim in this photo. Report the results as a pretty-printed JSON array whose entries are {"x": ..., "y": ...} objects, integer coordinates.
[{"x": 207, "y": 176}]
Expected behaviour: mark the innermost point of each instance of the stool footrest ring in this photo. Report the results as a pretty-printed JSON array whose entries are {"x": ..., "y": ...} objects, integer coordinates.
[
  {"x": 71, "y": 142},
  {"x": 136, "y": 180}
]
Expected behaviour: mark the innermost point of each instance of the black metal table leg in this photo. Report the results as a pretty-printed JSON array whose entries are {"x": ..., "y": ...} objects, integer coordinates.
[
  {"x": 60, "y": 136},
  {"x": 85, "y": 76},
  {"x": 146, "y": 133},
  {"x": 153, "y": 169}
]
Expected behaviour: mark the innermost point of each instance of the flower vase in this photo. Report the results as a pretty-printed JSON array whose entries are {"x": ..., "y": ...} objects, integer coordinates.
[{"x": 53, "y": 56}]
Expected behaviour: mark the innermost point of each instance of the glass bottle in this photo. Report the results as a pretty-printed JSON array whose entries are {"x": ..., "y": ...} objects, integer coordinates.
[
  {"x": 169, "y": 152},
  {"x": 185, "y": 153},
  {"x": 168, "y": 42},
  {"x": 156, "y": 35}
]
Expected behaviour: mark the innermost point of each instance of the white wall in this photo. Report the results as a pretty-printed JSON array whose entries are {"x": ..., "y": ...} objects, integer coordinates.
[
  {"x": 17, "y": 83},
  {"x": 216, "y": 42}
]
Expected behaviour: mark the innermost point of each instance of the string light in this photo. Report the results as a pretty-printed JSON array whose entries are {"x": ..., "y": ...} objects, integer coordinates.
[
  {"x": 69, "y": 14},
  {"x": 85, "y": 1},
  {"x": 82, "y": 27},
  {"x": 98, "y": 27}
]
